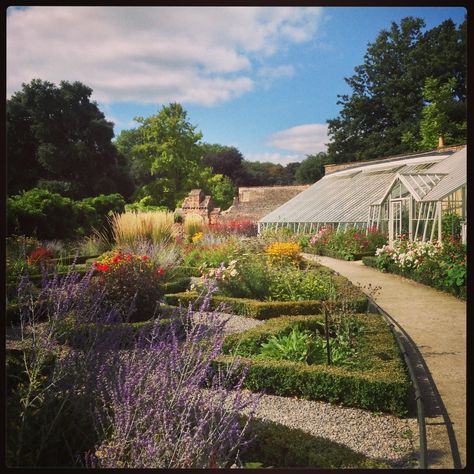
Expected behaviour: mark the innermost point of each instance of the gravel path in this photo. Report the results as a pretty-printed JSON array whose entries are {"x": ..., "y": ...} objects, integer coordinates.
[{"x": 382, "y": 437}]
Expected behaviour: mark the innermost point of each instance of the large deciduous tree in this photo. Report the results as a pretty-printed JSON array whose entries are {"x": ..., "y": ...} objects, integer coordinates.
[
  {"x": 58, "y": 139},
  {"x": 387, "y": 89},
  {"x": 166, "y": 146}
]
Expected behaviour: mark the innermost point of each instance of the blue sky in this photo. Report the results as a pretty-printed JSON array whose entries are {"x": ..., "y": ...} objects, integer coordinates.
[{"x": 262, "y": 79}]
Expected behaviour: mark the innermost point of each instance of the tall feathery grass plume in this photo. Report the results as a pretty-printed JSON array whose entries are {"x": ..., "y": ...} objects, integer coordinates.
[{"x": 131, "y": 227}]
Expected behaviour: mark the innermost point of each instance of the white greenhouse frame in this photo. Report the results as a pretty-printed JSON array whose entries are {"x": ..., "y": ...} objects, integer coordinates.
[{"x": 408, "y": 195}]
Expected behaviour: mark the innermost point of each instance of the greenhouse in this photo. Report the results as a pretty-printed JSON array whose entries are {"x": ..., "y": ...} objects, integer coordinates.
[{"x": 400, "y": 195}]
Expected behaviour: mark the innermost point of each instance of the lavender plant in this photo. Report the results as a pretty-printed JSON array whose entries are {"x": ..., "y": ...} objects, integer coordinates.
[
  {"x": 162, "y": 405},
  {"x": 159, "y": 403}
]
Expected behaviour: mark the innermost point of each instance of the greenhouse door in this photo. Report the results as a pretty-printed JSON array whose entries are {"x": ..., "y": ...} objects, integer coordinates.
[{"x": 399, "y": 222}]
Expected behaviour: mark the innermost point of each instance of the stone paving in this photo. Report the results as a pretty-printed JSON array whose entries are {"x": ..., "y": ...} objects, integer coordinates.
[{"x": 435, "y": 323}]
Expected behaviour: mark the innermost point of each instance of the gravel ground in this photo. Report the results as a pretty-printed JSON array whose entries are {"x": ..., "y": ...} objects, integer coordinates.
[{"x": 382, "y": 437}]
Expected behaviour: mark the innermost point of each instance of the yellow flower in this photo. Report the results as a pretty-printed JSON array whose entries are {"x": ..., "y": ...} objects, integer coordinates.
[
  {"x": 197, "y": 237},
  {"x": 279, "y": 251}
]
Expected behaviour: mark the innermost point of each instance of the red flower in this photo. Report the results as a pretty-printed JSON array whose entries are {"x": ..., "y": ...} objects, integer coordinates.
[
  {"x": 145, "y": 258},
  {"x": 160, "y": 271},
  {"x": 101, "y": 267},
  {"x": 116, "y": 259},
  {"x": 129, "y": 258}
]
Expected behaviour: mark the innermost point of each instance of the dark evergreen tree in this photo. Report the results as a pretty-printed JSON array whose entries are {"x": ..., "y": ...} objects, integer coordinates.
[{"x": 58, "y": 138}]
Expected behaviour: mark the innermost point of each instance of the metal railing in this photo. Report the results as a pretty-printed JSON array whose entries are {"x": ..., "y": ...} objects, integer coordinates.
[{"x": 418, "y": 397}]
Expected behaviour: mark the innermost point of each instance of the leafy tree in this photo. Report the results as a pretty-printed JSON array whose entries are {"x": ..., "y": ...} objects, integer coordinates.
[
  {"x": 387, "y": 89},
  {"x": 260, "y": 174},
  {"x": 223, "y": 160},
  {"x": 58, "y": 139},
  {"x": 443, "y": 116},
  {"x": 288, "y": 174},
  {"x": 311, "y": 169},
  {"x": 166, "y": 145},
  {"x": 218, "y": 186}
]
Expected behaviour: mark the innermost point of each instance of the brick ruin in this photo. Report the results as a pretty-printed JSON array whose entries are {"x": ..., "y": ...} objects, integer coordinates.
[{"x": 252, "y": 203}]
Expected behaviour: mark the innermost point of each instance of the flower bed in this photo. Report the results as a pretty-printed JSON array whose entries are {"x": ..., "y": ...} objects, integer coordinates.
[
  {"x": 349, "y": 244},
  {"x": 441, "y": 266},
  {"x": 381, "y": 383}
]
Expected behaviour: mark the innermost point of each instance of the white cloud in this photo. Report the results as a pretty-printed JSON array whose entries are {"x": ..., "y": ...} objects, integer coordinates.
[
  {"x": 306, "y": 139},
  {"x": 201, "y": 55},
  {"x": 277, "y": 158}
]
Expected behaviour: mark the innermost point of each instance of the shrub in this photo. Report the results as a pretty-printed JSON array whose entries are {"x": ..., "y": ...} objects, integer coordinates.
[
  {"x": 441, "y": 266},
  {"x": 105, "y": 206},
  {"x": 46, "y": 215},
  {"x": 157, "y": 405},
  {"x": 283, "y": 252},
  {"x": 39, "y": 256},
  {"x": 127, "y": 277},
  {"x": 209, "y": 255},
  {"x": 350, "y": 244},
  {"x": 265, "y": 309},
  {"x": 234, "y": 227}
]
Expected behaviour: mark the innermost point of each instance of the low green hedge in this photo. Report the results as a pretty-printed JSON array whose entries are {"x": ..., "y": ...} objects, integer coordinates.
[
  {"x": 178, "y": 285},
  {"x": 383, "y": 385},
  {"x": 71, "y": 333},
  {"x": 187, "y": 271},
  {"x": 69, "y": 260},
  {"x": 278, "y": 446},
  {"x": 260, "y": 309},
  {"x": 339, "y": 255}
]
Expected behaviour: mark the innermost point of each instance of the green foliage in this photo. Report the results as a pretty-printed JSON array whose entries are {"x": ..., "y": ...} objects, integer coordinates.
[
  {"x": 443, "y": 115},
  {"x": 52, "y": 216},
  {"x": 167, "y": 146},
  {"x": 386, "y": 99},
  {"x": 59, "y": 140},
  {"x": 209, "y": 255},
  {"x": 293, "y": 284},
  {"x": 311, "y": 169},
  {"x": 221, "y": 189},
  {"x": 450, "y": 226},
  {"x": 382, "y": 385},
  {"x": 298, "y": 346},
  {"x": 46, "y": 215},
  {"x": 445, "y": 269},
  {"x": 104, "y": 207}
]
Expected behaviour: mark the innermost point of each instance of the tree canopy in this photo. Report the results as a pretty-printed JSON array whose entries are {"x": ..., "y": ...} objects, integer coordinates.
[
  {"x": 387, "y": 101},
  {"x": 58, "y": 139},
  {"x": 311, "y": 169}
]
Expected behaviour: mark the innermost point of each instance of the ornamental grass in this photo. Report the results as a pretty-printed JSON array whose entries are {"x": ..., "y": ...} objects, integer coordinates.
[
  {"x": 135, "y": 226},
  {"x": 193, "y": 224}
]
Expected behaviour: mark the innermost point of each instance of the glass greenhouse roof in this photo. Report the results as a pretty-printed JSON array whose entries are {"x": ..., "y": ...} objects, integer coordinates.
[{"x": 346, "y": 195}]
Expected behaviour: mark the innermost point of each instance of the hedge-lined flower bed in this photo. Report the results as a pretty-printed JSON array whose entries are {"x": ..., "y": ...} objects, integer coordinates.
[{"x": 383, "y": 385}]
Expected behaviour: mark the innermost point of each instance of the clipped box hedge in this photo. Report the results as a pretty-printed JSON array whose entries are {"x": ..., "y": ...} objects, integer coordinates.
[
  {"x": 70, "y": 332},
  {"x": 270, "y": 309},
  {"x": 187, "y": 271},
  {"x": 384, "y": 384},
  {"x": 177, "y": 285}
]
